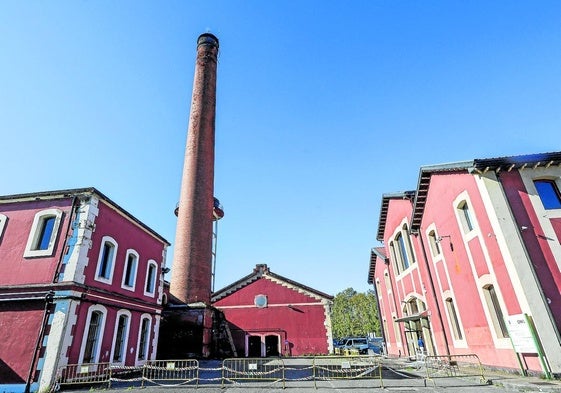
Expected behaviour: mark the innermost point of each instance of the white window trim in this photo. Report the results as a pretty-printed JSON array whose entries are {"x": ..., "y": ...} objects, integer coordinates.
[
  {"x": 483, "y": 281},
  {"x": 116, "y": 246},
  {"x": 458, "y": 343},
  {"x": 34, "y": 234},
  {"x": 103, "y": 311},
  {"x": 130, "y": 251},
  {"x": 543, "y": 215},
  {"x": 396, "y": 331},
  {"x": 261, "y": 296},
  {"x": 126, "y": 340},
  {"x": 3, "y": 222},
  {"x": 138, "y": 361},
  {"x": 432, "y": 228},
  {"x": 151, "y": 262},
  {"x": 408, "y": 249},
  {"x": 460, "y": 199}
]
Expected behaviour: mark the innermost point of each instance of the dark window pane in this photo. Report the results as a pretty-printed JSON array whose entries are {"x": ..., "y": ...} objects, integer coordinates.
[
  {"x": 549, "y": 194},
  {"x": 46, "y": 232}
]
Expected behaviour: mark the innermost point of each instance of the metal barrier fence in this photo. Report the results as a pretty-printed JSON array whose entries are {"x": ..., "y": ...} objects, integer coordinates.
[
  {"x": 253, "y": 369},
  {"x": 256, "y": 371},
  {"x": 171, "y": 372},
  {"x": 80, "y": 374},
  {"x": 446, "y": 366},
  {"x": 347, "y": 367}
]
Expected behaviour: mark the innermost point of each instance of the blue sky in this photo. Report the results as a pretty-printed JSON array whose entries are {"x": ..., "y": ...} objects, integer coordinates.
[{"x": 322, "y": 107}]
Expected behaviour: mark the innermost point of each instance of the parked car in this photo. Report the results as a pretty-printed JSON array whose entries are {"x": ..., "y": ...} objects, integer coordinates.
[
  {"x": 376, "y": 345},
  {"x": 352, "y": 345}
]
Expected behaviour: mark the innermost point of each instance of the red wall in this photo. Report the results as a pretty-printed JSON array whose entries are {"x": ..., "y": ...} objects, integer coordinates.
[
  {"x": 24, "y": 320},
  {"x": 16, "y": 269},
  {"x": 303, "y": 325},
  {"x": 111, "y": 223}
]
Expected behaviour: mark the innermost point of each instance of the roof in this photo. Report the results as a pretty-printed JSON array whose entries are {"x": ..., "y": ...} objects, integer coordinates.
[
  {"x": 262, "y": 271},
  {"x": 384, "y": 209},
  {"x": 376, "y": 252},
  {"x": 77, "y": 192},
  {"x": 423, "y": 186},
  {"x": 476, "y": 166}
]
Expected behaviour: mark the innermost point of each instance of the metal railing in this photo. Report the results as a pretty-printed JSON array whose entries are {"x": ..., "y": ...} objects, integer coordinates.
[
  {"x": 274, "y": 371},
  {"x": 347, "y": 367},
  {"x": 88, "y": 373},
  {"x": 171, "y": 372},
  {"x": 269, "y": 370},
  {"x": 458, "y": 366}
]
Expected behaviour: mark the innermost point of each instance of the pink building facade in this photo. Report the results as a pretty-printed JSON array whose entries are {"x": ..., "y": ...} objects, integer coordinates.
[
  {"x": 270, "y": 315},
  {"x": 471, "y": 263},
  {"x": 82, "y": 283}
]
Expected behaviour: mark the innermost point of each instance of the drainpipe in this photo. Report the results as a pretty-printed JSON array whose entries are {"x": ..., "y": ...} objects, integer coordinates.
[
  {"x": 48, "y": 303},
  {"x": 433, "y": 290}
]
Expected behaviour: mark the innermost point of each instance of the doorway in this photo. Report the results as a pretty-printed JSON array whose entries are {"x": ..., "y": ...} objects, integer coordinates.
[
  {"x": 254, "y": 346},
  {"x": 272, "y": 345}
]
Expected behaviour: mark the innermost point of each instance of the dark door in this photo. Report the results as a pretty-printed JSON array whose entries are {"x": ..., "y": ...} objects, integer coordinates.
[
  {"x": 272, "y": 345},
  {"x": 254, "y": 346}
]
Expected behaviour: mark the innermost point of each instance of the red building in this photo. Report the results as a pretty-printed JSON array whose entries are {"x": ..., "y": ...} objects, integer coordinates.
[
  {"x": 270, "y": 315},
  {"x": 81, "y": 283},
  {"x": 471, "y": 262}
]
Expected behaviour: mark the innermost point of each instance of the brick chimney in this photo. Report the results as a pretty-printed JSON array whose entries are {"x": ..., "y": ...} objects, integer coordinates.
[{"x": 192, "y": 256}]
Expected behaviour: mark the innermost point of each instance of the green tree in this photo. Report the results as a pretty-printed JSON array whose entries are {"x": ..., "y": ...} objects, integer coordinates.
[{"x": 354, "y": 314}]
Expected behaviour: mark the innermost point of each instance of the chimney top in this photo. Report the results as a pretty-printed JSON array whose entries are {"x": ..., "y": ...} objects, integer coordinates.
[{"x": 207, "y": 39}]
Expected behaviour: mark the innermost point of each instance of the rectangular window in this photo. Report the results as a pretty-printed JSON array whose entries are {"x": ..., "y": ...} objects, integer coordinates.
[
  {"x": 549, "y": 194},
  {"x": 43, "y": 234},
  {"x": 495, "y": 310},
  {"x": 454, "y": 321},
  {"x": 120, "y": 344},
  {"x": 93, "y": 337},
  {"x": 143, "y": 344}
]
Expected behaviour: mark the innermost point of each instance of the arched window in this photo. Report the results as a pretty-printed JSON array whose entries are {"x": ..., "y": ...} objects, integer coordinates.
[
  {"x": 151, "y": 271},
  {"x": 143, "y": 337},
  {"x": 3, "y": 222},
  {"x": 43, "y": 234},
  {"x": 408, "y": 246},
  {"x": 129, "y": 273},
  {"x": 465, "y": 217},
  {"x": 93, "y": 334},
  {"x": 453, "y": 319},
  {"x": 120, "y": 337},
  {"x": 106, "y": 260},
  {"x": 395, "y": 258},
  {"x": 402, "y": 251},
  {"x": 495, "y": 311},
  {"x": 434, "y": 246}
]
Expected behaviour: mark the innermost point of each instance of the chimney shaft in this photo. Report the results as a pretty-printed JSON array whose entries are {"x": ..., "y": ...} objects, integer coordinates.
[{"x": 192, "y": 259}]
